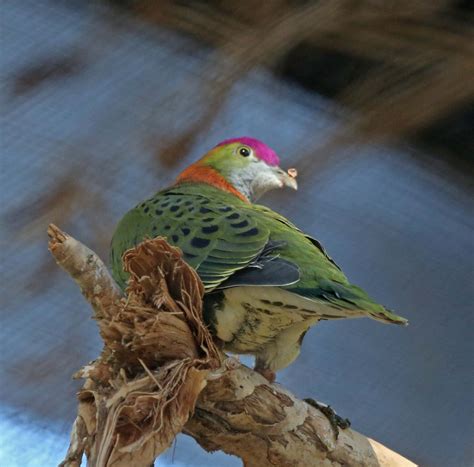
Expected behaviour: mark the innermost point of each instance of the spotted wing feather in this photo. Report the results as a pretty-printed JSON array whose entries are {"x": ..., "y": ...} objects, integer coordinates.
[{"x": 216, "y": 238}]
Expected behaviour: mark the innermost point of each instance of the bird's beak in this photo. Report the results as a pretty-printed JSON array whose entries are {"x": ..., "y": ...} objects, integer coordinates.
[{"x": 288, "y": 178}]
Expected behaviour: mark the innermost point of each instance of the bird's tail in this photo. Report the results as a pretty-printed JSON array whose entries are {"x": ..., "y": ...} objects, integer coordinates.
[
  {"x": 349, "y": 300},
  {"x": 387, "y": 316}
]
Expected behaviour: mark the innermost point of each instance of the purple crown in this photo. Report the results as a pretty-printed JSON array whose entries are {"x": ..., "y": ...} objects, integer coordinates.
[{"x": 262, "y": 151}]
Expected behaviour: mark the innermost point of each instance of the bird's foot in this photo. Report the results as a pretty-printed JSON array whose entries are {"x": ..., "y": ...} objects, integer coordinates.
[
  {"x": 268, "y": 374},
  {"x": 232, "y": 363},
  {"x": 261, "y": 366},
  {"x": 335, "y": 420}
]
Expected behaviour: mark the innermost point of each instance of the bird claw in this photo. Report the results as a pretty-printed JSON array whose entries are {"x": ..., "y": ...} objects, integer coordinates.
[
  {"x": 268, "y": 374},
  {"x": 335, "y": 420},
  {"x": 232, "y": 363},
  {"x": 262, "y": 368}
]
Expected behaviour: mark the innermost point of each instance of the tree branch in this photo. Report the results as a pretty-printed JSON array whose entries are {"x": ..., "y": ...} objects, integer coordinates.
[{"x": 160, "y": 373}]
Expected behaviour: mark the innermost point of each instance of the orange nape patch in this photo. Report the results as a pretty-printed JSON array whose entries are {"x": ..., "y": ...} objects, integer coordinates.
[{"x": 204, "y": 174}]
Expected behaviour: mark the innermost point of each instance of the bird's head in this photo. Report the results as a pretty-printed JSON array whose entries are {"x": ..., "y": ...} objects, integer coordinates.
[{"x": 243, "y": 166}]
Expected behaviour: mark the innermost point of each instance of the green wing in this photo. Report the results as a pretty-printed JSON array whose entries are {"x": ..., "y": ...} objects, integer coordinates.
[
  {"x": 223, "y": 237},
  {"x": 321, "y": 280},
  {"x": 216, "y": 238},
  {"x": 292, "y": 227}
]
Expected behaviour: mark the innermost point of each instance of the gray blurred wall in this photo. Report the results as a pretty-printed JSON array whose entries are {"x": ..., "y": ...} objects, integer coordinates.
[{"x": 399, "y": 224}]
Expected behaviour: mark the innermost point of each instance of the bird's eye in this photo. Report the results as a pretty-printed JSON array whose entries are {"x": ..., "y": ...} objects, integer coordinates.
[{"x": 244, "y": 151}]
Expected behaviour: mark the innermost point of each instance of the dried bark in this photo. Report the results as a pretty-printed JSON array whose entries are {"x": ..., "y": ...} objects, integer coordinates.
[{"x": 160, "y": 373}]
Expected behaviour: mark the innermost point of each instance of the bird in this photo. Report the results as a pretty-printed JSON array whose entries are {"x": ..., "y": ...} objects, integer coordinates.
[{"x": 266, "y": 282}]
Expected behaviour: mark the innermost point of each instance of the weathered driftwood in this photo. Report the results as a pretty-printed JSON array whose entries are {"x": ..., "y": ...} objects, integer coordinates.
[{"x": 160, "y": 374}]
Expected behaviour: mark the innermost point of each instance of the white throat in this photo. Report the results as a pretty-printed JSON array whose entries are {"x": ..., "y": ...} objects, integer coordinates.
[{"x": 255, "y": 180}]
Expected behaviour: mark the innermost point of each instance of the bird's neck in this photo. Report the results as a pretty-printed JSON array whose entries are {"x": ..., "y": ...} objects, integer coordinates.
[{"x": 198, "y": 173}]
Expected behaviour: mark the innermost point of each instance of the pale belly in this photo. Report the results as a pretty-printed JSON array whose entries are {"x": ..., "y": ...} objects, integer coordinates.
[{"x": 268, "y": 322}]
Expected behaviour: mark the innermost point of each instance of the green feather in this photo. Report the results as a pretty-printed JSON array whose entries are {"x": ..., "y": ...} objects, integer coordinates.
[
  {"x": 216, "y": 236},
  {"x": 220, "y": 234}
]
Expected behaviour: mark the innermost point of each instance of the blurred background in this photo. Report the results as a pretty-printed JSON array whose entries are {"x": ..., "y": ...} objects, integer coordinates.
[{"x": 104, "y": 102}]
